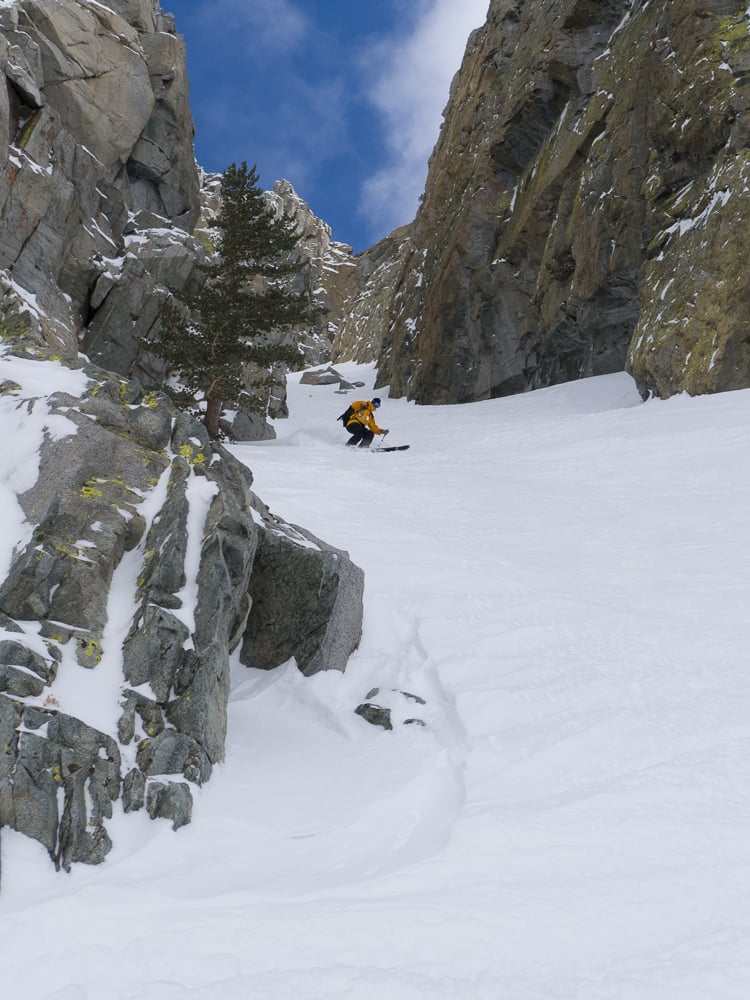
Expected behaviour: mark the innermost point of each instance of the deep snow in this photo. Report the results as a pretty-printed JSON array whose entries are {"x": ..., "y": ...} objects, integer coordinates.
[{"x": 563, "y": 576}]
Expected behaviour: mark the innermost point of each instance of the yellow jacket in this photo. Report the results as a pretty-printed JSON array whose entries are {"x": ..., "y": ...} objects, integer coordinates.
[{"x": 364, "y": 413}]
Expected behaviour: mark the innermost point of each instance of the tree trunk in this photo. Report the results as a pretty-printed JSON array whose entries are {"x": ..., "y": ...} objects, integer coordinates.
[{"x": 213, "y": 413}]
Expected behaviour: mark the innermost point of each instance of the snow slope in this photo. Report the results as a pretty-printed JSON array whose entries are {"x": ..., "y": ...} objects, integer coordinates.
[{"x": 563, "y": 577}]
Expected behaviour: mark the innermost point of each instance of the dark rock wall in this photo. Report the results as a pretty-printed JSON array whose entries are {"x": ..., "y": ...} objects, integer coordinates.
[{"x": 586, "y": 207}]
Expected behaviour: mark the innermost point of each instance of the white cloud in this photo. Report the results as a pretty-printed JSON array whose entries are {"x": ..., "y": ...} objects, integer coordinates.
[{"x": 409, "y": 84}]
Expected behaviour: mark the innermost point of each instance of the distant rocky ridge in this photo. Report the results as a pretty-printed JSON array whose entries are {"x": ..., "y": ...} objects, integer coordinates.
[
  {"x": 586, "y": 210},
  {"x": 325, "y": 277},
  {"x": 356, "y": 293},
  {"x": 100, "y": 197}
]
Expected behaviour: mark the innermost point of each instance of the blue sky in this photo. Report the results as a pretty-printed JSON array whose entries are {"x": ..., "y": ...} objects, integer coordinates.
[{"x": 341, "y": 97}]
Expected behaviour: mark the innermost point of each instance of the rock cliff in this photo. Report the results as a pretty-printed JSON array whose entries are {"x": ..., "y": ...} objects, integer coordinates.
[
  {"x": 369, "y": 299},
  {"x": 586, "y": 208},
  {"x": 98, "y": 184}
]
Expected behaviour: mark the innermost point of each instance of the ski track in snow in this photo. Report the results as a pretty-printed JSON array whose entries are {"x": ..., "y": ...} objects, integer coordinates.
[{"x": 563, "y": 577}]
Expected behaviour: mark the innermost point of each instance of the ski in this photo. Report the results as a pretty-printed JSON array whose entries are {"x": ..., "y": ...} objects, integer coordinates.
[{"x": 393, "y": 447}]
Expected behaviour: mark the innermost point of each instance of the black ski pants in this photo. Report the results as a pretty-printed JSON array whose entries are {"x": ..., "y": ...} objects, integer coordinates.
[{"x": 360, "y": 435}]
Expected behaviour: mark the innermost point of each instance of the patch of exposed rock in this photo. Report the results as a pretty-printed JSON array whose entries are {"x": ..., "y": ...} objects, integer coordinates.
[
  {"x": 576, "y": 219},
  {"x": 386, "y": 708}
]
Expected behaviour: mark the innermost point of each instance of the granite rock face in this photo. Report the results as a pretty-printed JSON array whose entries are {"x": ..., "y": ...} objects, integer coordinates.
[
  {"x": 370, "y": 299},
  {"x": 575, "y": 220},
  {"x": 98, "y": 184}
]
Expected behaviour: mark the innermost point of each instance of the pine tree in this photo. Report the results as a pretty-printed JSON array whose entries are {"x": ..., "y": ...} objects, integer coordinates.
[{"x": 242, "y": 305}]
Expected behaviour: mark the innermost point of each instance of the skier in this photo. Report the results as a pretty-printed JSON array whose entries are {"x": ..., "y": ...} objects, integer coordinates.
[{"x": 360, "y": 422}]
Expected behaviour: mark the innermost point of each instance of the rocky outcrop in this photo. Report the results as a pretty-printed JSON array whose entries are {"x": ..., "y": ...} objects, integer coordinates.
[
  {"x": 370, "y": 299},
  {"x": 150, "y": 561},
  {"x": 329, "y": 376},
  {"x": 98, "y": 184},
  {"x": 577, "y": 221}
]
